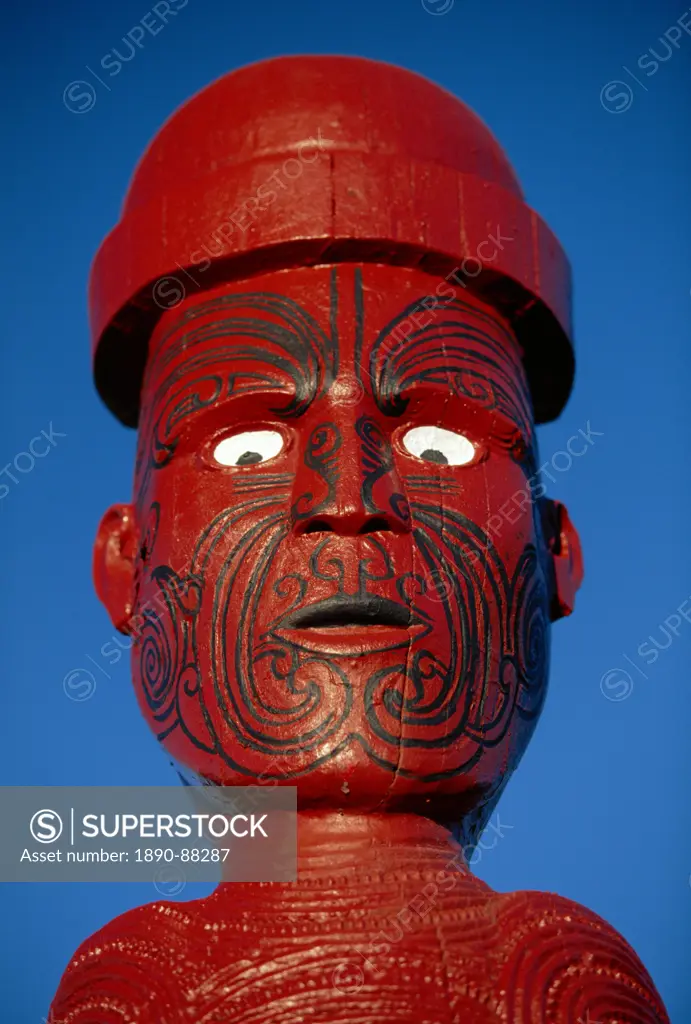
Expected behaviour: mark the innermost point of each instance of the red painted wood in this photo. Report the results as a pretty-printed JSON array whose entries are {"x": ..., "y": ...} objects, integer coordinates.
[
  {"x": 385, "y": 925},
  {"x": 362, "y": 619}
]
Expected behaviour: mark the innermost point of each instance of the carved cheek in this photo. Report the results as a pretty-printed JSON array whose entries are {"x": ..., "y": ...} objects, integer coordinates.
[{"x": 496, "y": 497}]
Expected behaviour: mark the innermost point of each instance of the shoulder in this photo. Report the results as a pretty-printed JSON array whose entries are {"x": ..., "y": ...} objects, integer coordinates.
[
  {"x": 126, "y": 969},
  {"x": 562, "y": 963}
]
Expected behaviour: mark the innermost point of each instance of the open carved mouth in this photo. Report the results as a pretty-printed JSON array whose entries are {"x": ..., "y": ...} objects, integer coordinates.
[
  {"x": 343, "y": 610},
  {"x": 364, "y": 621}
]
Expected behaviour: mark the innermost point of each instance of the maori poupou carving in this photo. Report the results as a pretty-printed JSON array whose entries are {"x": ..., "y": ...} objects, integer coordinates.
[{"x": 336, "y": 323}]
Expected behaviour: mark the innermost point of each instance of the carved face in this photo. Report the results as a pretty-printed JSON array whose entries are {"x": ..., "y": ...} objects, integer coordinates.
[{"x": 336, "y": 571}]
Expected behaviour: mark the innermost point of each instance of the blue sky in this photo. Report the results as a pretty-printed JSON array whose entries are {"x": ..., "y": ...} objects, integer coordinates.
[{"x": 590, "y": 102}]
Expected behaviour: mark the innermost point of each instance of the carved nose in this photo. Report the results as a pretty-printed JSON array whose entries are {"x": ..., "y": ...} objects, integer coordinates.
[
  {"x": 342, "y": 488},
  {"x": 344, "y": 524}
]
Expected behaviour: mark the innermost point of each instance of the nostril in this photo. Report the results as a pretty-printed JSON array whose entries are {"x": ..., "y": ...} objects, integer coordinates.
[
  {"x": 318, "y": 526},
  {"x": 374, "y": 525}
]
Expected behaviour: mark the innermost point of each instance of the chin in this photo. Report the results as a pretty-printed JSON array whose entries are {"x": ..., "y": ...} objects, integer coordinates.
[{"x": 350, "y": 781}]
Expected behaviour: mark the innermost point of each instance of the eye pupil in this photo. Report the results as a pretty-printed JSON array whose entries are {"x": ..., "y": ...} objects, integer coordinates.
[
  {"x": 432, "y": 455},
  {"x": 249, "y": 459}
]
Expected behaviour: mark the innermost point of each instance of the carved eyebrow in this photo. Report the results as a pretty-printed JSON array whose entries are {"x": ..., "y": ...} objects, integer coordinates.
[
  {"x": 445, "y": 341},
  {"x": 391, "y": 369},
  {"x": 464, "y": 375},
  {"x": 281, "y": 321},
  {"x": 238, "y": 340}
]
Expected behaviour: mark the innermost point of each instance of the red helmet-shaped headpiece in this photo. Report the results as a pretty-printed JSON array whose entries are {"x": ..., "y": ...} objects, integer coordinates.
[{"x": 309, "y": 160}]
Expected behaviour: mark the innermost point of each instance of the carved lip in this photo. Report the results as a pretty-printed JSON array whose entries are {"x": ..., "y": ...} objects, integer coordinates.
[
  {"x": 349, "y": 610},
  {"x": 365, "y": 624}
]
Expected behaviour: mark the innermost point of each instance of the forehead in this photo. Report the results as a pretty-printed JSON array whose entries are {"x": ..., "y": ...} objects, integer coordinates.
[{"x": 300, "y": 330}]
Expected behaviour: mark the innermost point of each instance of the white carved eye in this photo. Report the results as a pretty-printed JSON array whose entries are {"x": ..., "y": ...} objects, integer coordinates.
[
  {"x": 435, "y": 444},
  {"x": 248, "y": 448}
]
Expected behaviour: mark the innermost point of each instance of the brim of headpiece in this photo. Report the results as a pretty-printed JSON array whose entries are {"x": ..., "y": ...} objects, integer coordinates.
[{"x": 345, "y": 206}]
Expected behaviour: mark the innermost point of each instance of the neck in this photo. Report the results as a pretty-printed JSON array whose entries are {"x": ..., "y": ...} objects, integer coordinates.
[{"x": 354, "y": 845}]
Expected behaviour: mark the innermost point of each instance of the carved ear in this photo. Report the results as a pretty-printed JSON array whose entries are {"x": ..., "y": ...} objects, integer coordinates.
[
  {"x": 115, "y": 552},
  {"x": 564, "y": 547}
]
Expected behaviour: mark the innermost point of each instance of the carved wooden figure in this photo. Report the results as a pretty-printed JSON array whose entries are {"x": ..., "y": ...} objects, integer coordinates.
[{"x": 336, "y": 323}]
